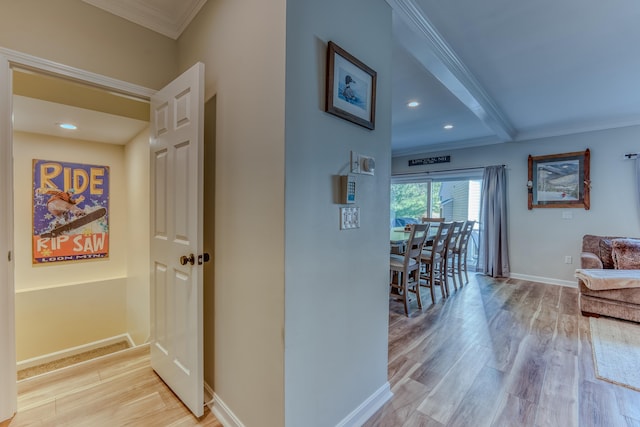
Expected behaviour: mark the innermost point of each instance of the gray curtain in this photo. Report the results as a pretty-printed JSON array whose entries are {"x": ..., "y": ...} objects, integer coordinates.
[
  {"x": 494, "y": 255},
  {"x": 638, "y": 178}
]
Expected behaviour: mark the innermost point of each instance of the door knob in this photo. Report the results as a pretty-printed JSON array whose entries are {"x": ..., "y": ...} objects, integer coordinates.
[
  {"x": 187, "y": 259},
  {"x": 203, "y": 258}
]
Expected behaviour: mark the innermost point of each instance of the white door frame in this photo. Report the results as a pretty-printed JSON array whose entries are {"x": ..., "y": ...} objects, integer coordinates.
[{"x": 8, "y": 59}]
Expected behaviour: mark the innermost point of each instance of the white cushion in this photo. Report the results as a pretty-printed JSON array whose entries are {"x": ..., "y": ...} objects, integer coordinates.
[
  {"x": 426, "y": 256},
  {"x": 397, "y": 261}
]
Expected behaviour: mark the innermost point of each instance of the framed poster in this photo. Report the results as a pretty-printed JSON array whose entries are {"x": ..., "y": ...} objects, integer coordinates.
[
  {"x": 70, "y": 211},
  {"x": 351, "y": 88},
  {"x": 559, "y": 181}
]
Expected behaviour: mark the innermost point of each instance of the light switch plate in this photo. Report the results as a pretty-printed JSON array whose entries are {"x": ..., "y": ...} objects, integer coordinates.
[
  {"x": 355, "y": 162},
  {"x": 349, "y": 218}
]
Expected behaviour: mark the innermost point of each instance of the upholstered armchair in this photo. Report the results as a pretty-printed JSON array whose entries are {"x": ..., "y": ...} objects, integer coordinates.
[{"x": 609, "y": 278}]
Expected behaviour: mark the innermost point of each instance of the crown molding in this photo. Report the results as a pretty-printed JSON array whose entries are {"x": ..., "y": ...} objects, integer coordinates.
[
  {"x": 524, "y": 135},
  {"x": 576, "y": 128},
  {"x": 447, "y": 146},
  {"x": 163, "y": 20}
]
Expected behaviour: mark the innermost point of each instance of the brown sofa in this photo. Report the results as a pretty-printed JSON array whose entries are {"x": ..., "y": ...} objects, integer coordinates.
[{"x": 618, "y": 303}]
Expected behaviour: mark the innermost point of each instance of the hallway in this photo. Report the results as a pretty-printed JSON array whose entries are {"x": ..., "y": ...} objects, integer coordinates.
[{"x": 115, "y": 390}]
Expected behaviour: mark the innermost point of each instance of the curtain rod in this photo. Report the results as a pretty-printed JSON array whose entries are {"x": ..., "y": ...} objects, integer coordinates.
[
  {"x": 631, "y": 156},
  {"x": 447, "y": 170}
]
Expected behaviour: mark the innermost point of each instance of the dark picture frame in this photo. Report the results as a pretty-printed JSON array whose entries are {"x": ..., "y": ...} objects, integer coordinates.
[
  {"x": 351, "y": 88},
  {"x": 559, "y": 180}
]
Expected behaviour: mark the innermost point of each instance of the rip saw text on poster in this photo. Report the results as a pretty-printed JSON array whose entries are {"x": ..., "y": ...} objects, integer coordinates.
[{"x": 70, "y": 211}]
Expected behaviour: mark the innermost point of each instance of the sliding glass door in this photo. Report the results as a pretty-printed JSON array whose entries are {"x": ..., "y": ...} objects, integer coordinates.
[
  {"x": 449, "y": 196},
  {"x": 412, "y": 201}
]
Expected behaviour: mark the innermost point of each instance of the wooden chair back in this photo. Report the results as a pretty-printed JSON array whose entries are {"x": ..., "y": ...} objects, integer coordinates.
[
  {"x": 441, "y": 239},
  {"x": 465, "y": 235},
  {"x": 456, "y": 232},
  {"x": 415, "y": 244},
  {"x": 407, "y": 268}
]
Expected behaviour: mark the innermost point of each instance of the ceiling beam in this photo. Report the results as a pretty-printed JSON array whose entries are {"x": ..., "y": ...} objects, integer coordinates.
[{"x": 422, "y": 39}]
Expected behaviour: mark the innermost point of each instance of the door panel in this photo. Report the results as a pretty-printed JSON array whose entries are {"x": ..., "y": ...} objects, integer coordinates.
[{"x": 176, "y": 233}]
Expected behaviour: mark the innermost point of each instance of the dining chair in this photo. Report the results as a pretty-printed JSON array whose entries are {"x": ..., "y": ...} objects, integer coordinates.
[
  {"x": 433, "y": 258},
  {"x": 406, "y": 267},
  {"x": 460, "y": 251},
  {"x": 449, "y": 262}
]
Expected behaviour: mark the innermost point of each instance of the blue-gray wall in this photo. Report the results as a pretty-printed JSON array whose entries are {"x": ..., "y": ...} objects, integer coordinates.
[
  {"x": 336, "y": 282},
  {"x": 540, "y": 239}
]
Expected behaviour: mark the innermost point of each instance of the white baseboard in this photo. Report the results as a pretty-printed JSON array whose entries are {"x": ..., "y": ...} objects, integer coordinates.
[
  {"x": 548, "y": 280},
  {"x": 40, "y": 360},
  {"x": 208, "y": 396},
  {"x": 367, "y": 408},
  {"x": 356, "y": 418},
  {"x": 222, "y": 412}
]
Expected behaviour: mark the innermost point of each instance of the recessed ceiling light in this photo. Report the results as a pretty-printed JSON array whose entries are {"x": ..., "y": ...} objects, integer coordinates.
[
  {"x": 67, "y": 126},
  {"x": 413, "y": 104},
  {"x": 447, "y": 127}
]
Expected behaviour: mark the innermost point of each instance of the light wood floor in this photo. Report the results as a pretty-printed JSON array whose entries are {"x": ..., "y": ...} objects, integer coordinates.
[
  {"x": 495, "y": 353},
  {"x": 116, "y": 390},
  {"x": 499, "y": 353}
]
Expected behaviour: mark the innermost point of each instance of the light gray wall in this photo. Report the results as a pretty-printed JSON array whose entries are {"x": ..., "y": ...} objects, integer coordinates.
[
  {"x": 276, "y": 192},
  {"x": 336, "y": 282},
  {"x": 539, "y": 239}
]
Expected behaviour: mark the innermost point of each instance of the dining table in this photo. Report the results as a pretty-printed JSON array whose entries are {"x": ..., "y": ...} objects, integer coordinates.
[{"x": 399, "y": 236}]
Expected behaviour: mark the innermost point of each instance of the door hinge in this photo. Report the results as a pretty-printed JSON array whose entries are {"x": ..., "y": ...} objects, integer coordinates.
[{"x": 9, "y": 256}]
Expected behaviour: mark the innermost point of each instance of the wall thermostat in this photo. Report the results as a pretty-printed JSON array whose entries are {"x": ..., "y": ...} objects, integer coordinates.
[
  {"x": 361, "y": 164},
  {"x": 368, "y": 165}
]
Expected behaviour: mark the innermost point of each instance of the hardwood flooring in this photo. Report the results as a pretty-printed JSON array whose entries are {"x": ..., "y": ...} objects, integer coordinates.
[
  {"x": 115, "y": 390},
  {"x": 499, "y": 352},
  {"x": 494, "y": 353}
]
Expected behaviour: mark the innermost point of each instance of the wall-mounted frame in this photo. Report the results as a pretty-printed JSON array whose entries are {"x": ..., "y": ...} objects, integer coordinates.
[
  {"x": 559, "y": 181},
  {"x": 351, "y": 88},
  {"x": 70, "y": 212}
]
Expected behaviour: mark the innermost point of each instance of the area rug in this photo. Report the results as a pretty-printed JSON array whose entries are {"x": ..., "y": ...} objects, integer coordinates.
[
  {"x": 616, "y": 351},
  {"x": 71, "y": 360}
]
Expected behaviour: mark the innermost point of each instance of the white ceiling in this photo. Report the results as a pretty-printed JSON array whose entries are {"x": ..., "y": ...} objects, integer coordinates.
[
  {"x": 498, "y": 70},
  {"x": 38, "y": 116},
  {"x": 513, "y": 70}
]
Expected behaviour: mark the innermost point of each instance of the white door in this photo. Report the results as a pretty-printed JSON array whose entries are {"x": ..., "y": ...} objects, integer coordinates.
[
  {"x": 8, "y": 393},
  {"x": 177, "y": 123}
]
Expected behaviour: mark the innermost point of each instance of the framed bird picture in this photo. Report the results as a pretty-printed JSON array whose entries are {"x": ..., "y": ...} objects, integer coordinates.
[{"x": 351, "y": 88}]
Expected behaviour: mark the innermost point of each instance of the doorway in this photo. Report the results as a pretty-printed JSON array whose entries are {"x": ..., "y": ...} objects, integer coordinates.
[
  {"x": 80, "y": 282},
  {"x": 9, "y": 61},
  {"x": 136, "y": 268}
]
